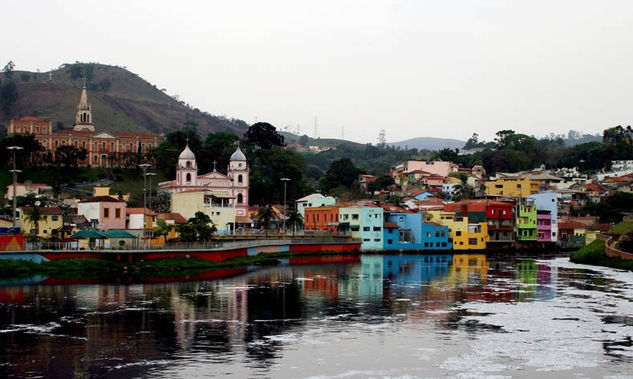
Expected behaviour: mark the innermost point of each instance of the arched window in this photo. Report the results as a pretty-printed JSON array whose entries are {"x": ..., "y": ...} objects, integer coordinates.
[
  {"x": 188, "y": 177},
  {"x": 239, "y": 179},
  {"x": 188, "y": 164},
  {"x": 240, "y": 198}
]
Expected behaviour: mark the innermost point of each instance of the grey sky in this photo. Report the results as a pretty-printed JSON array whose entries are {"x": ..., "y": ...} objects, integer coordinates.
[{"x": 414, "y": 68}]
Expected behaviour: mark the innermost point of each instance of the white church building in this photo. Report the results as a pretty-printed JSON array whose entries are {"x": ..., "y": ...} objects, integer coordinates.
[{"x": 219, "y": 191}]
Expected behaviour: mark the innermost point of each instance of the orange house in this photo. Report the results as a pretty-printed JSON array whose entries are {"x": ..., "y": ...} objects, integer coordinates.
[{"x": 321, "y": 218}]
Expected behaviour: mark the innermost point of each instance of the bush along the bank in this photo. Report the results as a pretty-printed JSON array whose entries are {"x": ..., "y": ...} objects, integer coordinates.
[{"x": 595, "y": 254}]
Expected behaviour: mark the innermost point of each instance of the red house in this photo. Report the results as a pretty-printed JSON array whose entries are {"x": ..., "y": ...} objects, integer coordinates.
[{"x": 321, "y": 219}]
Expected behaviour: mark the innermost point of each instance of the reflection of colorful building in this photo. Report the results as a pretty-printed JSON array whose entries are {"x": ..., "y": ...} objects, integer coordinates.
[
  {"x": 467, "y": 266},
  {"x": 415, "y": 268},
  {"x": 371, "y": 276}
]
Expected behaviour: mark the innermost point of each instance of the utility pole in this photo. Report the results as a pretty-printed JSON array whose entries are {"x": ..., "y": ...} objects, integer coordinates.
[
  {"x": 15, "y": 181},
  {"x": 285, "y": 180},
  {"x": 150, "y": 174},
  {"x": 144, "y": 167}
]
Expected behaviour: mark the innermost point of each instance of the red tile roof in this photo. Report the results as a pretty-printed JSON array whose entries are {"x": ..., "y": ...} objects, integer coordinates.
[
  {"x": 31, "y": 118},
  {"x": 45, "y": 210},
  {"x": 177, "y": 217},
  {"x": 140, "y": 210},
  {"x": 390, "y": 225}
]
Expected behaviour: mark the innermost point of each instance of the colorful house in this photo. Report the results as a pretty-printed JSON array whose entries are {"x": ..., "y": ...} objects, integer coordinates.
[
  {"x": 366, "y": 223},
  {"x": 321, "y": 219},
  {"x": 544, "y": 225},
  {"x": 547, "y": 201},
  {"x": 435, "y": 237},
  {"x": 312, "y": 201},
  {"x": 572, "y": 234},
  {"x": 526, "y": 223},
  {"x": 49, "y": 225},
  {"x": 403, "y": 231},
  {"x": 499, "y": 217},
  {"x": 103, "y": 212},
  {"x": 511, "y": 187},
  {"x": 463, "y": 234}
]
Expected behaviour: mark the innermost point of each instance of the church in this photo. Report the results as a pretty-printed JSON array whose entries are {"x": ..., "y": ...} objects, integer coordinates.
[
  {"x": 103, "y": 149},
  {"x": 232, "y": 187}
]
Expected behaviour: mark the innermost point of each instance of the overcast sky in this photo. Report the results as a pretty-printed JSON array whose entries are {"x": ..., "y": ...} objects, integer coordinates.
[{"x": 414, "y": 68}]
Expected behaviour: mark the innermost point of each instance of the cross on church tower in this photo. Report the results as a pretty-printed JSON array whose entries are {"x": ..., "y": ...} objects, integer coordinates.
[{"x": 214, "y": 162}]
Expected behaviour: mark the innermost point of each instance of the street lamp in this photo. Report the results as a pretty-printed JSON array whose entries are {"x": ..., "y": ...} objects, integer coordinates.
[
  {"x": 144, "y": 167},
  {"x": 15, "y": 180},
  {"x": 285, "y": 180},
  {"x": 150, "y": 174}
]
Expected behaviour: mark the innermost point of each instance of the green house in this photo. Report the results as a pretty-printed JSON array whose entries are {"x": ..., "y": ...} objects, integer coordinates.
[{"x": 526, "y": 223}]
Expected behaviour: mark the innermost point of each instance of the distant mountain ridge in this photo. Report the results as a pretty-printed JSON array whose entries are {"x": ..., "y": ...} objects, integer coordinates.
[
  {"x": 121, "y": 101},
  {"x": 429, "y": 143}
]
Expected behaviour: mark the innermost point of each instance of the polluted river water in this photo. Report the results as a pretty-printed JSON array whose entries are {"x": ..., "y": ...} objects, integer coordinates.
[{"x": 448, "y": 315}]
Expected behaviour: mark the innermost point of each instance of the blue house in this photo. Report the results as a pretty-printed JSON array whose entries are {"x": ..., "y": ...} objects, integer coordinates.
[
  {"x": 407, "y": 231},
  {"x": 424, "y": 196}
]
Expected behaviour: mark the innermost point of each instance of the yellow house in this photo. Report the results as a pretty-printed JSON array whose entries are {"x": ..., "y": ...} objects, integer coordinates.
[
  {"x": 464, "y": 235},
  {"x": 212, "y": 203},
  {"x": 511, "y": 187},
  {"x": 105, "y": 191},
  {"x": 50, "y": 224}
]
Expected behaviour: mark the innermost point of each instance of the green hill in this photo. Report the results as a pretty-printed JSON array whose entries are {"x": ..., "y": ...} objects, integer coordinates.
[{"x": 121, "y": 101}]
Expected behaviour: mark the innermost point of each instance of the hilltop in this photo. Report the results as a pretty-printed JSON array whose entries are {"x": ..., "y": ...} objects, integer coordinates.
[{"x": 121, "y": 100}]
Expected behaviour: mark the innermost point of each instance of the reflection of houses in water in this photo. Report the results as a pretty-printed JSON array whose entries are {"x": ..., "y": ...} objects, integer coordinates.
[
  {"x": 469, "y": 268},
  {"x": 371, "y": 276},
  {"x": 415, "y": 268},
  {"x": 536, "y": 280}
]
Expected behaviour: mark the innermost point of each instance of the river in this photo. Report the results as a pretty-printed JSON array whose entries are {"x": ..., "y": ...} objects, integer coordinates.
[{"x": 341, "y": 317}]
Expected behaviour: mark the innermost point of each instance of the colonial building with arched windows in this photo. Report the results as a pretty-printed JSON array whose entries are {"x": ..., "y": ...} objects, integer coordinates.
[
  {"x": 103, "y": 149},
  {"x": 219, "y": 189}
]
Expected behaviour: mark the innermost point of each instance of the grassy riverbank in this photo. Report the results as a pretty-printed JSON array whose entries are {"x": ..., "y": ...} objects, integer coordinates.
[
  {"x": 594, "y": 254},
  {"x": 95, "y": 268}
]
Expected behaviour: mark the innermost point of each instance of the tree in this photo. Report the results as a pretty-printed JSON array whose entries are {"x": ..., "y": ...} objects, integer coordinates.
[
  {"x": 162, "y": 228},
  {"x": 472, "y": 142},
  {"x": 294, "y": 220},
  {"x": 502, "y": 136},
  {"x": 161, "y": 203},
  {"x": 198, "y": 228},
  {"x": 265, "y": 216},
  {"x": 342, "y": 172},
  {"x": 447, "y": 155},
  {"x": 381, "y": 183},
  {"x": 34, "y": 215},
  {"x": 304, "y": 140},
  {"x": 218, "y": 146},
  {"x": 8, "y": 97},
  {"x": 69, "y": 155},
  {"x": 8, "y": 70},
  {"x": 263, "y": 135}
]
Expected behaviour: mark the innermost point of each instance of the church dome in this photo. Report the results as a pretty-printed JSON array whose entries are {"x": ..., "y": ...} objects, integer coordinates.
[
  {"x": 238, "y": 155},
  {"x": 187, "y": 154}
]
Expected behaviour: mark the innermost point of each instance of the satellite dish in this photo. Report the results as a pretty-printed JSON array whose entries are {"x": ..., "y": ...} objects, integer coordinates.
[{"x": 37, "y": 203}]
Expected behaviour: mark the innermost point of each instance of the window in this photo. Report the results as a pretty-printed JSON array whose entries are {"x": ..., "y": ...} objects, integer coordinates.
[
  {"x": 188, "y": 177},
  {"x": 239, "y": 179},
  {"x": 458, "y": 233},
  {"x": 103, "y": 145},
  {"x": 355, "y": 216},
  {"x": 426, "y": 244},
  {"x": 366, "y": 240},
  {"x": 54, "y": 218},
  {"x": 188, "y": 164},
  {"x": 365, "y": 228},
  {"x": 111, "y": 146},
  {"x": 472, "y": 241},
  {"x": 106, "y": 212},
  {"x": 117, "y": 213},
  {"x": 95, "y": 159},
  {"x": 377, "y": 228},
  {"x": 131, "y": 146},
  {"x": 376, "y": 239},
  {"x": 389, "y": 242},
  {"x": 96, "y": 146},
  {"x": 56, "y": 144},
  {"x": 443, "y": 244},
  {"x": 401, "y": 219},
  {"x": 44, "y": 131},
  {"x": 37, "y": 129},
  {"x": 355, "y": 228},
  {"x": 83, "y": 144},
  {"x": 428, "y": 234},
  {"x": 63, "y": 143},
  {"x": 240, "y": 198}
]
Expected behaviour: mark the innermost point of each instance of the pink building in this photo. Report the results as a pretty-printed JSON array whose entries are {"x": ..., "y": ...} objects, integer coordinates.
[
  {"x": 544, "y": 225},
  {"x": 441, "y": 168},
  {"x": 103, "y": 212}
]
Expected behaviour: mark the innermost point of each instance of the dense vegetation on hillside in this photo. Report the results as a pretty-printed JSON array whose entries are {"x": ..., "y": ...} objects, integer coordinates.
[{"x": 511, "y": 152}]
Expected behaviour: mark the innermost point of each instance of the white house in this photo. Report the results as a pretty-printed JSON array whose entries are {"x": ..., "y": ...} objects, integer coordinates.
[{"x": 314, "y": 200}]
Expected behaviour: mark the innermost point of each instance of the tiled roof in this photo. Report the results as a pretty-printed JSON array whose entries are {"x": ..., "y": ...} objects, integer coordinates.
[
  {"x": 45, "y": 210},
  {"x": 140, "y": 210}
]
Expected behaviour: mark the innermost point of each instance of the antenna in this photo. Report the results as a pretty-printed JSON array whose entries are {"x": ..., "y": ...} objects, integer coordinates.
[{"x": 316, "y": 125}]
